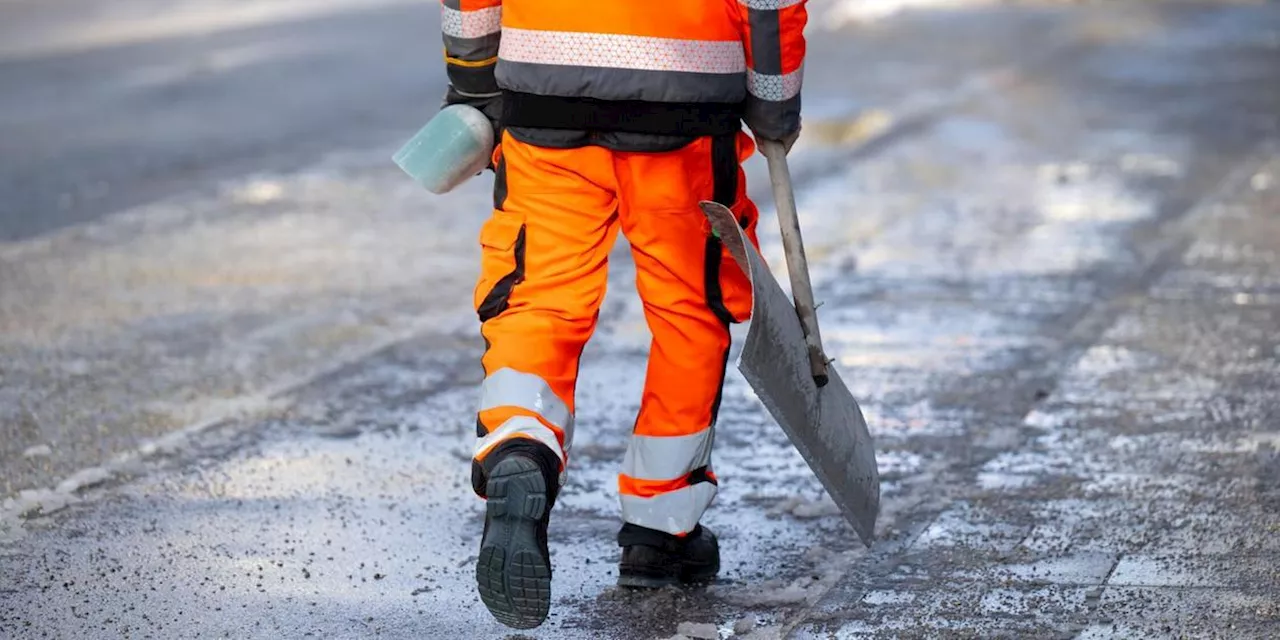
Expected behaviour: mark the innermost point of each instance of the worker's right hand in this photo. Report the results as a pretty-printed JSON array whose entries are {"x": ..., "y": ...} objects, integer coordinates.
[
  {"x": 789, "y": 141},
  {"x": 490, "y": 106},
  {"x": 786, "y": 142}
]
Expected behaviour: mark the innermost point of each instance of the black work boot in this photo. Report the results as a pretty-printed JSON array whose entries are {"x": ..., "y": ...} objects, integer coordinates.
[
  {"x": 653, "y": 559},
  {"x": 513, "y": 572}
]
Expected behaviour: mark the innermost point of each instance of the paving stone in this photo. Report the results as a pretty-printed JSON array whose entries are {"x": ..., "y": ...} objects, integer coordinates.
[
  {"x": 1082, "y": 568},
  {"x": 1195, "y": 571},
  {"x": 1190, "y": 612},
  {"x": 965, "y": 526},
  {"x": 1046, "y": 601},
  {"x": 1112, "y": 631}
]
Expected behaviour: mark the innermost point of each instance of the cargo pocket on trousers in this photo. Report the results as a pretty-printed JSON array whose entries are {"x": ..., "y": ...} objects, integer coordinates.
[{"x": 502, "y": 240}]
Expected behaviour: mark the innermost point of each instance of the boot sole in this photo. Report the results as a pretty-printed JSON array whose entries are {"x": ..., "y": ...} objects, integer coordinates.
[{"x": 512, "y": 573}]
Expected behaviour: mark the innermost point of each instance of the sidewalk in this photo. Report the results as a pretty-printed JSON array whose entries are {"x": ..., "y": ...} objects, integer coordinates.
[
  {"x": 1139, "y": 498},
  {"x": 1056, "y": 298}
]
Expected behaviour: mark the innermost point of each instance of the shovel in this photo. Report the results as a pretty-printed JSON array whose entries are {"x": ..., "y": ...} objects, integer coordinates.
[{"x": 783, "y": 361}]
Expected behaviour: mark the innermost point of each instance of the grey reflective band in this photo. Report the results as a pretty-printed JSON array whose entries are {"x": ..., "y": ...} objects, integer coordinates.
[
  {"x": 618, "y": 51},
  {"x": 775, "y": 88},
  {"x": 667, "y": 457},
  {"x": 507, "y": 387},
  {"x": 768, "y": 5},
  {"x": 470, "y": 24},
  {"x": 675, "y": 512}
]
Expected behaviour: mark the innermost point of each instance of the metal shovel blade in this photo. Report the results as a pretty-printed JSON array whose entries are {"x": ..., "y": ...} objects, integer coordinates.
[{"x": 824, "y": 423}]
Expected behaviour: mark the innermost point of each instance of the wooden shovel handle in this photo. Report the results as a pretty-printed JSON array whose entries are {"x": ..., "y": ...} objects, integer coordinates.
[{"x": 793, "y": 245}]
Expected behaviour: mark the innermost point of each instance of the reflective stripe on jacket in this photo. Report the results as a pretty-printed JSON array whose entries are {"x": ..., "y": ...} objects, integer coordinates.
[{"x": 673, "y": 67}]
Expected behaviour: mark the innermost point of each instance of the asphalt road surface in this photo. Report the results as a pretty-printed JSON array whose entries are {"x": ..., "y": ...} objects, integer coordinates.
[{"x": 238, "y": 367}]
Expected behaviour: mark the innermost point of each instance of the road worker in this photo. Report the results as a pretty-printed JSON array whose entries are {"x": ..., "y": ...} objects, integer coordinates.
[{"x": 611, "y": 115}]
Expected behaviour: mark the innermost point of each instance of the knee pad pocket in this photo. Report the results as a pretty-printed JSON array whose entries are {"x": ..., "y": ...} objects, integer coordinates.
[{"x": 502, "y": 243}]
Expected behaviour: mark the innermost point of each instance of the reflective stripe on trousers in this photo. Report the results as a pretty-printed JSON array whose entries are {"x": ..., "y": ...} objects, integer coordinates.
[
  {"x": 667, "y": 457},
  {"x": 675, "y": 512},
  {"x": 656, "y": 488},
  {"x": 507, "y": 388},
  {"x": 519, "y": 427}
]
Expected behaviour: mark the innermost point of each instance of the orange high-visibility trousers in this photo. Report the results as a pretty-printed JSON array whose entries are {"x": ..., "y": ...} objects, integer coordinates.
[{"x": 543, "y": 274}]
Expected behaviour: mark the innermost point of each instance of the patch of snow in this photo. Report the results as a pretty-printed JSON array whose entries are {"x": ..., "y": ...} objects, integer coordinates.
[
  {"x": 700, "y": 630},
  {"x": 765, "y": 633},
  {"x": 887, "y": 597},
  {"x": 1083, "y": 200},
  {"x": 38, "y": 451},
  {"x": 259, "y": 192},
  {"x": 988, "y": 480},
  {"x": 207, "y": 411},
  {"x": 806, "y": 509},
  {"x": 10, "y": 531},
  {"x": 898, "y": 462},
  {"x": 1150, "y": 164},
  {"x": 1045, "y": 420},
  {"x": 1102, "y": 360},
  {"x": 776, "y": 593},
  {"x": 84, "y": 479},
  {"x": 1246, "y": 443},
  {"x": 35, "y": 502},
  {"x": 826, "y": 567},
  {"x": 864, "y": 11}
]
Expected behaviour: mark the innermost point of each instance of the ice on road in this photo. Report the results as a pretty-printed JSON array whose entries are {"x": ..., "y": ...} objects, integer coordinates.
[{"x": 1046, "y": 242}]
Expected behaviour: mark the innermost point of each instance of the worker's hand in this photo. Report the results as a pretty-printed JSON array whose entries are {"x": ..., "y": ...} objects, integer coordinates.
[
  {"x": 790, "y": 141},
  {"x": 787, "y": 141},
  {"x": 490, "y": 106}
]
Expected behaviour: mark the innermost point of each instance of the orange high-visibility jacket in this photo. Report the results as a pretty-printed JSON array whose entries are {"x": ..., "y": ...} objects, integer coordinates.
[{"x": 671, "y": 67}]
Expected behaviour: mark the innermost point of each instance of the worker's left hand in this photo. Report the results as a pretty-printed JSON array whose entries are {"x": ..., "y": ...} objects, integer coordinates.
[{"x": 490, "y": 106}]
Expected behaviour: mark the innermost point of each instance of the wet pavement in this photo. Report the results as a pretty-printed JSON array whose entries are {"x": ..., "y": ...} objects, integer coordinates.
[{"x": 1053, "y": 282}]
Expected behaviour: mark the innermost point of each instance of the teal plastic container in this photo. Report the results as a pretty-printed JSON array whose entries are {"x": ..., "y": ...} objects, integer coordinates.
[{"x": 452, "y": 147}]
